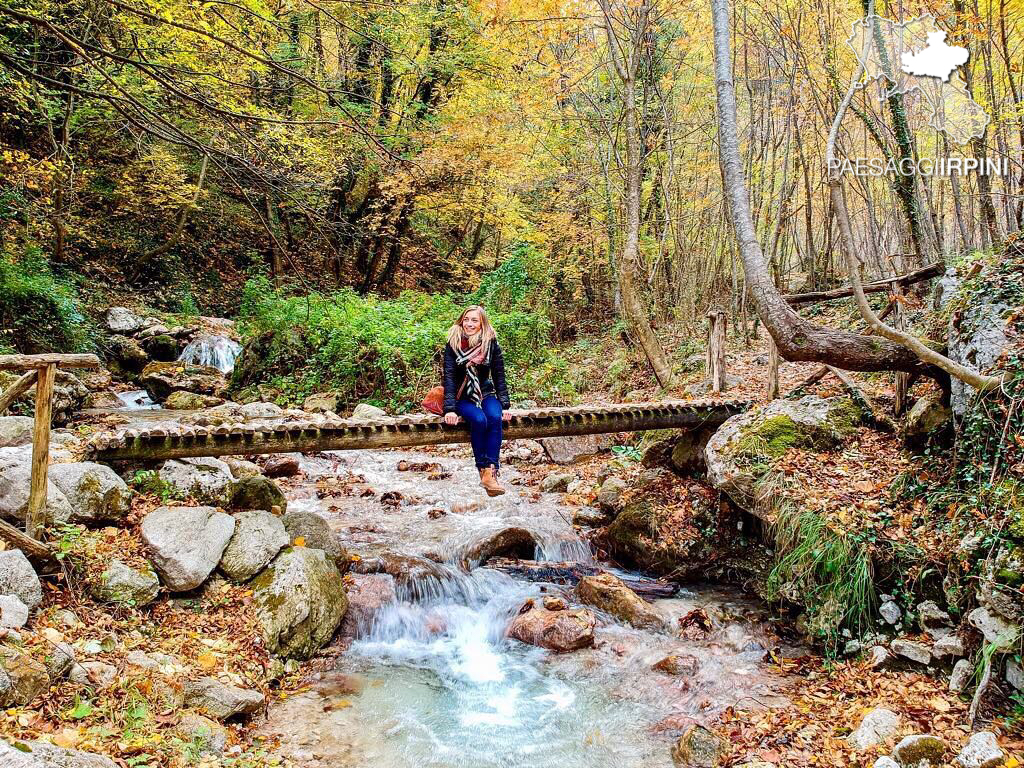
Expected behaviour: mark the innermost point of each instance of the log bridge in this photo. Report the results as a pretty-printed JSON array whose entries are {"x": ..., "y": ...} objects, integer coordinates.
[{"x": 332, "y": 433}]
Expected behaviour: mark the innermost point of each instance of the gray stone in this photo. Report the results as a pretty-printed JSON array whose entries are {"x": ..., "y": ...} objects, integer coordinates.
[
  {"x": 365, "y": 411},
  {"x": 15, "y": 430},
  {"x": 186, "y": 543},
  {"x": 220, "y": 700},
  {"x": 252, "y": 411},
  {"x": 930, "y": 616},
  {"x": 609, "y": 497},
  {"x": 890, "y": 612},
  {"x": 909, "y": 649},
  {"x": 556, "y": 482},
  {"x": 15, "y": 480},
  {"x": 41, "y": 754},
  {"x": 97, "y": 673},
  {"x": 59, "y": 661},
  {"x": 323, "y": 402},
  {"x": 879, "y": 726},
  {"x": 96, "y": 492},
  {"x": 588, "y": 517},
  {"x": 977, "y": 339},
  {"x": 950, "y": 646},
  {"x": 994, "y": 627},
  {"x": 927, "y": 417},
  {"x": 27, "y": 675},
  {"x": 126, "y": 355},
  {"x": 258, "y": 537},
  {"x": 315, "y": 533},
  {"x": 208, "y": 735},
  {"x": 981, "y": 751},
  {"x": 207, "y": 480},
  {"x": 1014, "y": 674},
  {"x": 699, "y": 747},
  {"x": 242, "y": 468},
  {"x": 123, "y": 585},
  {"x": 918, "y": 748},
  {"x": 123, "y": 320},
  {"x": 301, "y": 600},
  {"x": 13, "y": 612},
  {"x": 18, "y": 578},
  {"x": 258, "y": 492},
  {"x": 161, "y": 379},
  {"x": 885, "y": 762},
  {"x": 565, "y": 450}
]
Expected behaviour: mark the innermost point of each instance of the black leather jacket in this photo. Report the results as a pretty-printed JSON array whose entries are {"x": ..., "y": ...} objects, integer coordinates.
[{"x": 491, "y": 376}]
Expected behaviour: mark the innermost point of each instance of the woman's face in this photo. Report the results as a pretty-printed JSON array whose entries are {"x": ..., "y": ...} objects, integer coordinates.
[{"x": 471, "y": 323}]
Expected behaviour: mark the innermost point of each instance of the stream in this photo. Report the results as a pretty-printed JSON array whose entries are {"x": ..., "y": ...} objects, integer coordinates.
[{"x": 434, "y": 682}]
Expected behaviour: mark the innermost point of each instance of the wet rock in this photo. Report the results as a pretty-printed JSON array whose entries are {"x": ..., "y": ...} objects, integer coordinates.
[
  {"x": 161, "y": 379},
  {"x": 215, "y": 699},
  {"x": 367, "y": 594},
  {"x": 41, "y": 754},
  {"x": 516, "y": 543},
  {"x": 257, "y": 492},
  {"x": 981, "y": 751},
  {"x": 123, "y": 585},
  {"x": 950, "y": 646},
  {"x": 367, "y": 412},
  {"x": 314, "y": 532},
  {"x": 123, "y": 320},
  {"x": 699, "y": 748},
  {"x": 678, "y": 664},
  {"x": 890, "y": 612},
  {"x": 208, "y": 735},
  {"x": 280, "y": 464},
  {"x": 565, "y": 450},
  {"x": 609, "y": 497},
  {"x": 13, "y": 612},
  {"x": 126, "y": 356},
  {"x": 919, "y": 653},
  {"x": 914, "y": 750},
  {"x": 588, "y": 517},
  {"x": 928, "y": 417},
  {"x": 104, "y": 401},
  {"x": 15, "y": 430},
  {"x": 553, "y": 603},
  {"x": 879, "y": 726},
  {"x": 186, "y": 543},
  {"x": 241, "y": 468},
  {"x": 744, "y": 447},
  {"x": 15, "y": 480},
  {"x": 18, "y": 578},
  {"x": 323, "y": 402},
  {"x": 161, "y": 347},
  {"x": 258, "y": 537},
  {"x": 191, "y": 401},
  {"x": 556, "y": 482},
  {"x": 301, "y": 601},
  {"x": 208, "y": 480},
  {"x": 95, "y": 492},
  {"x": 994, "y": 627},
  {"x": 59, "y": 661},
  {"x": 560, "y": 631},
  {"x": 961, "y": 676},
  {"x": 609, "y": 594}
]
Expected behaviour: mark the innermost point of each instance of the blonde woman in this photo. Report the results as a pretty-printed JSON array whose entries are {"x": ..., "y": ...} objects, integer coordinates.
[{"x": 475, "y": 390}]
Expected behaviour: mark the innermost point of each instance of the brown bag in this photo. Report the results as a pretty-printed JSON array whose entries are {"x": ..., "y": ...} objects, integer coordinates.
[{"x": 434, "y": 401}]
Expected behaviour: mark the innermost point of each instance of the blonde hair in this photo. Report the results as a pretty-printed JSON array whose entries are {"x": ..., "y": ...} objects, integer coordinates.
[{"x": 483, "y": 337}]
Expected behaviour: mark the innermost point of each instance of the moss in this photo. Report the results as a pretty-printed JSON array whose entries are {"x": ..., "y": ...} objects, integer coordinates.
[
  {"x": 770, "y": 438},
  {"x": 844, "y": 416}
]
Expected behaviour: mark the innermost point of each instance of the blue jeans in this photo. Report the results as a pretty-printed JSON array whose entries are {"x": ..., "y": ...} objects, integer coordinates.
[{"x": 484, "y": 429}]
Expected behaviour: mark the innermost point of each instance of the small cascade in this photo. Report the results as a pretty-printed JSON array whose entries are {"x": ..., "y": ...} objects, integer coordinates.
[
  {"x": 137, "y": 400},
  {"x": 217, "y": 351}
]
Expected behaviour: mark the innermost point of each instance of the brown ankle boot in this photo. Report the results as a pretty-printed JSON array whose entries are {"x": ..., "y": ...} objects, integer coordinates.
[{"x": 490, "y": 483}]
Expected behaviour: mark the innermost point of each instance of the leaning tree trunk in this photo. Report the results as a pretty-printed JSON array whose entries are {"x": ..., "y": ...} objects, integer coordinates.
[{"x": 796, "y": 338}]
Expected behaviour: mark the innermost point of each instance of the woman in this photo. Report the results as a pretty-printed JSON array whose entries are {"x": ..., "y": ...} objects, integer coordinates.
[{"x": 475, "y": 389}]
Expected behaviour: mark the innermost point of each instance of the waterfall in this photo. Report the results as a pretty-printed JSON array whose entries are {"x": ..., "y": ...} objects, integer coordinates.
[{"x": 217, "y": 351}]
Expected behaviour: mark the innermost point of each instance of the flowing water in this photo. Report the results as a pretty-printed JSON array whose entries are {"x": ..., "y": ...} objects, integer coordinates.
[
  {"x": 434, "y": 682},
  {"x": 137, "y": 400},
  {"x": 218, "y": 351}
]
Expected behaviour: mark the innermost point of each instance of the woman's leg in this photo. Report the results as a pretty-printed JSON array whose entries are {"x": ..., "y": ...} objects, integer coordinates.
[
  {"x": 477, "y": 421},
  {"x": 492, "y": 410}
]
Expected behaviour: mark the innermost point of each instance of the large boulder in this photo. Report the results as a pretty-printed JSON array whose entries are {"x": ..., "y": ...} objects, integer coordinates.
[
  {"x": 699, "y": 747},
  {"x": 927, "y": 417},
  {"x": 258, "y": 492},
  {"x": 96, "y": 492},
  {"x": 322, "y": 402},
  {"x": 15, "y": 481},
  {"x": 560, "y": 630},
  {"x": 26, "y": 675},
  {"x": 309, "y": 529},
  {"x": 565, "y": 450},
  {"x": 161, "y": 379},
  {"x": 186, "y": 543},
  {"x": 162, "y": 348},
  {"x": 123, "y": 585},
  {"x": 15, "y": 430},
  {"x": 611, "y": 595},
  {"x": 743, "y": 449},
  {"x": 207, "y": 480},
  {"x": 879, "y": 726},
  {"x": 977, "y": 338},
  {"x": 42, "y": 754},
  {"x": 367, "y": 412},
  {"x": 258, "y": 537},
  {"x": 123, "y": 320},
  {"x": 18, "y": 578},
  {"x": 191, "y": 401},
  {"x": 301, "y": 601},
  {"x": 126, "y": 356},
  {"x": 367, "y": 593},
  {"x": 506, "y": 542},
  {"x": 220, "y": 700}
]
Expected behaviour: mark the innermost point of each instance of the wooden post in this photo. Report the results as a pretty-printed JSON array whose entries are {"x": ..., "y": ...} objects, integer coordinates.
[
  {"x": 35, "y": 519},
  {"x": 773, "y": 369},
  {"x": 716, "y": 349}
]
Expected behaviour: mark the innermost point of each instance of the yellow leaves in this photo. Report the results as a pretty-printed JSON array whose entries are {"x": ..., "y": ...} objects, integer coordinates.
[
  {"x": 299, "y": 541},
  {"x": 68, "y": 738},
  {"x": 206, "y": 660},
  {"x": 939, "y": 704}
]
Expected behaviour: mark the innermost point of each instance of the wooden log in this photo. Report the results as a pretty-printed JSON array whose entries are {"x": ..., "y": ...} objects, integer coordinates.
[
  {"x": 33, "y": 362},
  {"x": 571, "y": 573},
  {"x": 34, "y": 550},
  {"x": 35, "y": 519},
  {"x": 877, "y": 286},
  {"x": 715, "y": 364},
  {"x": 17, "y": 389}
]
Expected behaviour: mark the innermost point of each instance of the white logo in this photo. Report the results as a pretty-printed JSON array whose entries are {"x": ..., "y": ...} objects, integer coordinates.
[{"x": 937, "y": 60}]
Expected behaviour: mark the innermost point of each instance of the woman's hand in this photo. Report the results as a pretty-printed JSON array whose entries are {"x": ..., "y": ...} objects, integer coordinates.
[{"x": 451, "y": 418}]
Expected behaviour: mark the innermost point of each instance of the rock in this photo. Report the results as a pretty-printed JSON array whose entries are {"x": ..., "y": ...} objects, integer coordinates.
[
  {"x": 681, "y": 664},
  {"x": 18, "y": 578},
  {"x": 41, "y": 754},
  {"x": 367, "y": 594},
  {"x": 219, "y": 700},
  {"x": 367, "y": 412},
  {"x": 161, "y": 379},
  {"x": 208, "y": 735},
  {"x": 609, "y": 497},
  {"x": 323, "y": 402},
  {"x": 162, "y": 348},
  {"x": 186, "y": 543},
  {"x": 981, "y": 751},
  {"x": 908, "y": 649},
  {"x": 191, "y": 401},
  {"x": 123, "y": 585},
  {"x": 205, "y": 479},
  {"x": 928, "y": 417},
  {"x": 123, "y": 320},
  {"x": 961, "y": 676},
  {"x": 13, "y": 612},
  {"x": 890, "y": 612},
  {"x": 704, "y": 387},
  {"x": 994, "y": 627},
  {"x": 301, "y": 601},
  {"x": 930, "y": 616},
  {"x": 560, "y": 631},
  {"x": 15, "y": 480},
  {"x": 315, "y": 533},
  {"x": 258, "y": 537},
  {"x": 1014, "y": 674},
  {"x": 517, "y": 543},
  {"x": 241, "y": 468},
  {"x": 565, "y": 450},
  {"x": 698, "y": 748},
  {"x": 687, "y": 455},
  {"x": 257, "y": 492},
  {"x": 126, "y": 356},
  {"x": 59, "y": 662},
  {"x": 103, "y": 401},
  {"x": 977, "y": 338},
  {"x": 744, "y": 447},
  {"x": 259, "y": 410},
  {"x": 885, "y": 762},
  {"x": 556, "y": 482},
  {"x": 97, "y": 673},
  {"x": 948, "y": 646},
  {"x": 914, "y": 750},
  {"x": 588, "y": 517},
  {"x": 15, "y": 430},
  {"x": 878, "y": 727},
  {"x": 28, "y": 677},
  {"x": 407, "y": 570},
  {"x": 95, "y": 492},
  {"x": 281, "y": 464},
  {"x": 607, "y": 593}
]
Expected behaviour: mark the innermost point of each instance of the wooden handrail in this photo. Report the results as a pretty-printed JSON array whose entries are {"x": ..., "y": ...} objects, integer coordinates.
[{"x": 35, "y": 362}]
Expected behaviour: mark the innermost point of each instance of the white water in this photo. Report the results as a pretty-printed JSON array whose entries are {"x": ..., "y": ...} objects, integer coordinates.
[
  {"x": 218, "y": 351},
  {"x": 137, "y": 400}
]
